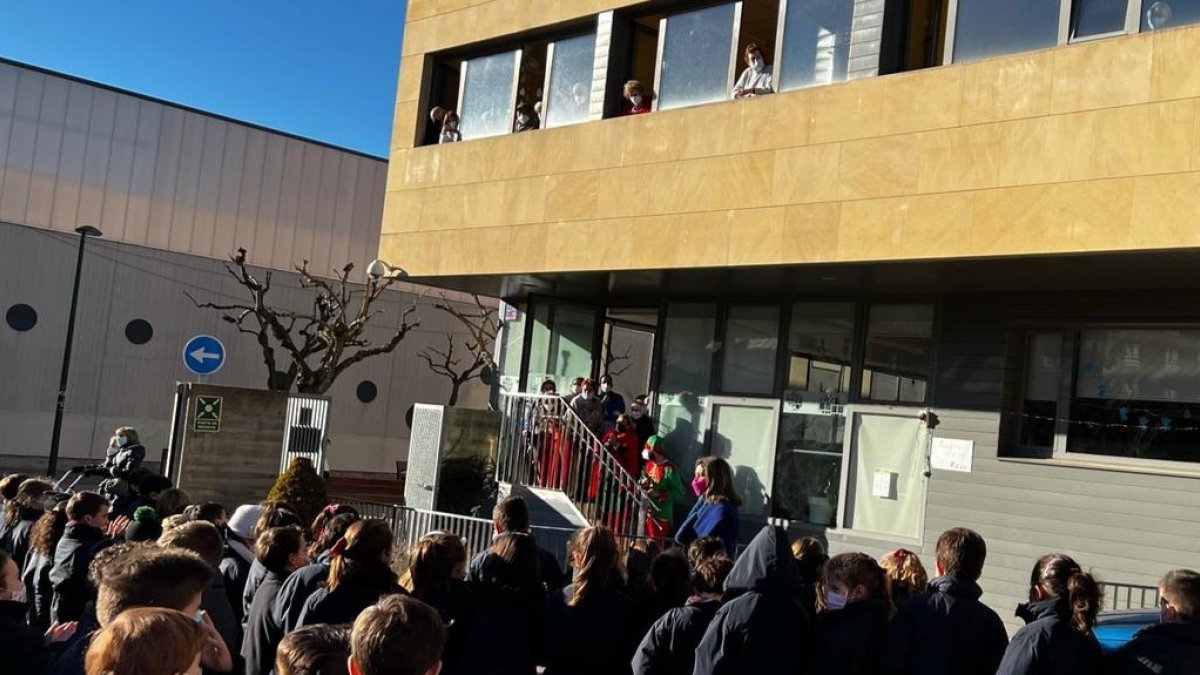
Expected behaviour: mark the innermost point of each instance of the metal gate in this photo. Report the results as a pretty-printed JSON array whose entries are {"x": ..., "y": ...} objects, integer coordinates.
[{"x": 304, "y": 431}]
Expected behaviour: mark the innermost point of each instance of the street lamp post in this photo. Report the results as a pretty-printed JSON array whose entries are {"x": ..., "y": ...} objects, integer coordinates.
[{"x": 84, "y": 231}]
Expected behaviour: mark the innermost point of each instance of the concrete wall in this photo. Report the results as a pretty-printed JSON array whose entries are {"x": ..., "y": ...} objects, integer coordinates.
[
  {"x": 1086, "y": 147},
  {"x": 154, "y": 174},
  {"x": 115, "y": 382}
]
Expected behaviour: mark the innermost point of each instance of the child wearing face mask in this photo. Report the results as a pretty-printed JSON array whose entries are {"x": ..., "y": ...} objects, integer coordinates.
[
  {"x": 854, "y": 605},
  {"x": 636, "y": 101},
  {"x": 716, "y": 509},
  {"x": 661, "y": 481},
  {"x": 755, "y": 80}
]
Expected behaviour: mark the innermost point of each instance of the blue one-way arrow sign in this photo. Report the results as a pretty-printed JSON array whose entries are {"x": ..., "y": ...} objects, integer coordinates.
[{"x": 204, "y": 355}]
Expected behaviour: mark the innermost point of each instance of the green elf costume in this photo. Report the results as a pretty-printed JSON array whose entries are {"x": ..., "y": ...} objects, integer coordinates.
[{"x": 661, "y": 481}]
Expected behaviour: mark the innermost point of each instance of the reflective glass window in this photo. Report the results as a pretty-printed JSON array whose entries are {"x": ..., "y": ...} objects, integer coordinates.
[
  {"x": 749, "y": 349},
  {"x": 488, "y": 97},
  {"x": 816, "y": 43},
  {"x": 986, "y": 28},
  {"x": 570, "y": 81},
  {"x": 899, "y": 350},
  {"x": 1169, "y": 13},
  {"x": 686, "y": 370},
  {"x": 1098, "y": 17},
  {"x": 696, "y": 57}
]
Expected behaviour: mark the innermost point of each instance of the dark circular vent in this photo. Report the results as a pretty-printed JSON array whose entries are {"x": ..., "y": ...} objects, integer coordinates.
[
  {"x": 367, "y": 391},
  {"x": 21, "y": 318},
  {"x": 139, "y": 331}
]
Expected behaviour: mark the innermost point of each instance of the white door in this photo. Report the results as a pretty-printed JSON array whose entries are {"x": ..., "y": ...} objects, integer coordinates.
[{"x": 743, "y": 431}]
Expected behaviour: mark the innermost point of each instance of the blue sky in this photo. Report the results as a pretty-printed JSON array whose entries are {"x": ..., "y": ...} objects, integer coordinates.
[{"x": 324, "y": 69}]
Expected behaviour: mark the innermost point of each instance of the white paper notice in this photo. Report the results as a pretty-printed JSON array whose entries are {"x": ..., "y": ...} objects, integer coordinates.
[
  {"x": 882, "y": 485},
  {"x": 952, "y": 454}
]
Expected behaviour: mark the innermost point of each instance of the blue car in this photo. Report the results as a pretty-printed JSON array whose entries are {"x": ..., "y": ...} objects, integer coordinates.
[{"x": 1114, "y": 629}]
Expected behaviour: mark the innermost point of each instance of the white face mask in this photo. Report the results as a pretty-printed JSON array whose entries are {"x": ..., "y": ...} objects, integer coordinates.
[
  {"x": 835, "y": 600},
  {"x": 523, "y": 119},
  {"x": 636, "y": 414},
  {"x": 637, "y": 99},
  {"x": 452, "y": 126},
  {"x": 606, "y": 388},
  {"x": 646, "y": 455},
  {"x": 575, "y": 389},
  {"x": 585, "y": 395}
]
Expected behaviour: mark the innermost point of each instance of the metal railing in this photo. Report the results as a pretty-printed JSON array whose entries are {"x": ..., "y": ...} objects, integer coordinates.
[
  {"x": 1120, "y": 597},
  {"x": 545, "y": 444}
]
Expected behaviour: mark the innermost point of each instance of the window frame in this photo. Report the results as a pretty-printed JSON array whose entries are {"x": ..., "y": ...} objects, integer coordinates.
[
  {"x": 546, "y": 98},
  {"x": 1066, "y": 27},
  {"x": 779, "y": 68},
  {"x": 731, "y": 75},
  {"x": 1072, "y": 336},
  {"x": 464, "y": 74}
]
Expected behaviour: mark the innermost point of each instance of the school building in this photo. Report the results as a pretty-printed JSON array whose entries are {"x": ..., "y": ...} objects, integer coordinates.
[{"x": 985, "y": 210}]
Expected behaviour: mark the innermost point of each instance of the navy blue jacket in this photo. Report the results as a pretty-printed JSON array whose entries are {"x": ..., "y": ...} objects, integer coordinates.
[
  {"x": 297, "y": 589},
  {"x": 39, "y": 589},
  {"x": 234, "y": 570},
  {"x": 1160, "y": 649},
  {"x": 552, "y": 573},
  {"x": 24, "y": 650},
  {"x": 16, "y": 538},
  {"x": 945, "y": 631},
  {"x": 500, "y": 635},
  {"x": 342, "y": 605},
  {"x": 1048, "y": 645},
  {"x": 762, "y": 628},
  {"x": 848, "y": 640},
  {"x": 706, "y": 518},
  {"x": 669, "y": 647},
  {"x": 591, "y": 638},
  {"x": 254, "y": 577},
  {"x": 263, "y": 635},
  {"x": 69, "y": 575}
]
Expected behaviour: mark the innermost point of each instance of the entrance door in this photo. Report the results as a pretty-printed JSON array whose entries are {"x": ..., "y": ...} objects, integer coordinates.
[
  {"x": 743, "y": 432},
  {"x": 563, "y": 343},
  {"x": 629, "y": 352}
]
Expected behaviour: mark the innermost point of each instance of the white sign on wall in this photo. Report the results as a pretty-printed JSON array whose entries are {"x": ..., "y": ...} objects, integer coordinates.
[{"x": 952, "y": 454}]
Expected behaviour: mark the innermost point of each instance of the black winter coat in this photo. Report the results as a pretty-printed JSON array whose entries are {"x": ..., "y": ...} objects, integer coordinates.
[
  {"x": 24, "y": 650},
  {"x": 500, "y": 636},
  {"x": 591, "y": 638},
  {"x": 1048, "y": 645},
  {"x": 297, "y": 589},
  {"x": 39, "y": 589},
  {"x": 945, "y": 631},
  {"x": 234, "y": 569},
  {"x": 342, "y": 605},
  {"x": 69, "y": 575},
  {"x": 552, "y": 573},
  {"x": 254, "y": 577},
  {"x": 16, "y": 539},
  {"x": 669, "y": 647},
  {"x": 263, "y": 635},
  {"x": 215, "y": 602},
  {"x": 1159, "y": 649},
  {"x": 762, "y": 628},
  {"x": 848, "y": 640}
]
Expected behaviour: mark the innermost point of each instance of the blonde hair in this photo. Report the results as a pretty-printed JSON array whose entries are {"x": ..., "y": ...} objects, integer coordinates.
[
  {"x": 597, "y": 550},
  {"x": 130, "y": 435},
  {"x": 630, "y": 86},
  {"x": 904, "y": 565},
  {"x": 145, "y": 640},
  {"x": 434, "y": 558}
]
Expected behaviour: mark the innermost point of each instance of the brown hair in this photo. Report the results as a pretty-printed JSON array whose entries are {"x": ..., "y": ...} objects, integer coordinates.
[
  {"x": 398, "y": 635},
  {"x": 804, "y": 547},
  {"x": 85, "y": 504},
  {"x": 275, "y": 513},
  {"x": 46, "y": 532},
  {"x": 130, "y": 434},
  {"x": 433, "y": 561},
  {"x": 331, "y": 530},
  {"x": 1079, "y": 596},
  {"x": 10, "y": 484},
  {"x": 1181, "y": 588},
  {"x": 962, "y": 552},
  {"x": 274, "y": 547},
  {"x": 511, "y": 514},
  {"x": 597, "y": 550},
  {"x": 143, "y": 575},
  {"x": 853, "y": 570},
  {"x": 709, "y": 575},
  {"x": 358, "y": 556},
  {"x": 752, "y": 48},
  {"x": 29, "y": 490},
  {"x": 720, "y": 480},
  {"x": 172, "y": 502},
  {"x": 145, "y": 641},
  {"x": 704, "y": 548},
  {"x": 199, "y": 536},
  {"x": 902, "y": 565},
  {"x": 314, "y": 650}
]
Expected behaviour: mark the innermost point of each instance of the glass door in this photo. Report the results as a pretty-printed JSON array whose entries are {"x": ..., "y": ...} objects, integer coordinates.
[
  {"x": 742, "y": 431},
  {"x": 563, "y": 343}
]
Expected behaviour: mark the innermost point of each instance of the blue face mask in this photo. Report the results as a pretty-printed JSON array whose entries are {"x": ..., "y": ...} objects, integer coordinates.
[
  {"x": 835, "y": 600},
  {"x": 122, "y": 441},
  {"x": 198, "y": 617}
]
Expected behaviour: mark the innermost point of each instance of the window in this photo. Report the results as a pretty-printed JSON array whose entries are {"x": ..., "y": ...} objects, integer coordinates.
[
  {"x": 571, "y": 64},
  {"x": 1098, "y": 17},
  {"x": 808, "y": 458},
  {"x": 1158, "y": 14},
  {"x": 984, "y": 28},
  {"x": 561, "y": 344},
  {"x": 686, "y": 371},
  {"x": 816, "y": 42},
  {"x": 486, "y": 102},
  {"x": 1043, "y": 383},
  {"x": 697, "y": 56},
  {"x": 748, "y": 350},
  {"x": 899, "y": 349}
]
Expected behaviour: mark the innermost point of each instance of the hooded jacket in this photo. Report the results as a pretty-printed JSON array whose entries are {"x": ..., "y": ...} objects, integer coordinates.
[
  {"x": 69, "y": 575},
  {"x": 762, "y": 628},
  {"x": 125, "y": 460},
  {"x": 945, "y": 631},
  {"x": 1159, "y": 649},
  {"x": 1048, "y": 644},
  {"x": 848, "y": 640},
  {"x": 669, "y": 647}
]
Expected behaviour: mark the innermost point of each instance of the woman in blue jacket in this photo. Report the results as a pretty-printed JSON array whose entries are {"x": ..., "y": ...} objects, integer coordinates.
[{"x": 716, "y": 510}]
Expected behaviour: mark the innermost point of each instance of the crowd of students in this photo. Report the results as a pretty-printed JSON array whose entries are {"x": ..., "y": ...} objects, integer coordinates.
[{"x": 193, "y": 589}]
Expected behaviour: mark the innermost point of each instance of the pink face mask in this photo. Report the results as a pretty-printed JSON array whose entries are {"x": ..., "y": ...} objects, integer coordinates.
[{"x": 699, "y": 485}]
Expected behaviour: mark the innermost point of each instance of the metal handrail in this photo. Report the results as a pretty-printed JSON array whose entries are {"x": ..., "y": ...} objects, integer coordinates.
[
  {"x": 1120, "y": 597},
  {"x": 545, "y": 444}
]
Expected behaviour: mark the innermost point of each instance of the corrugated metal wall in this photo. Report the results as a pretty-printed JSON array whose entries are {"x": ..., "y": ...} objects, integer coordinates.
[{"x": 158, "y": 175}]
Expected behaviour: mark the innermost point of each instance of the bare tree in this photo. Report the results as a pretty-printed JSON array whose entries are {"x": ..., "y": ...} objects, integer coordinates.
[
  {"x": 319, "y": 344},
  {"x": 482, "y": 325},
  {"x": 611, "y": 359}
]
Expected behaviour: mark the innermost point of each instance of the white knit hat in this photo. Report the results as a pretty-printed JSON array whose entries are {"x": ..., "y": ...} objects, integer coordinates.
[{"x": 243, "y": 519}]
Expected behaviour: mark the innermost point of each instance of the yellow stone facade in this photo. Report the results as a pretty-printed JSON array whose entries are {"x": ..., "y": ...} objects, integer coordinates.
[{"x": 1088, "y": 147}]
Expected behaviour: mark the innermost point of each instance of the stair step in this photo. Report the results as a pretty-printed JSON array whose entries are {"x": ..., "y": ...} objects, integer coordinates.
[{"x": 547, "y": 508}]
